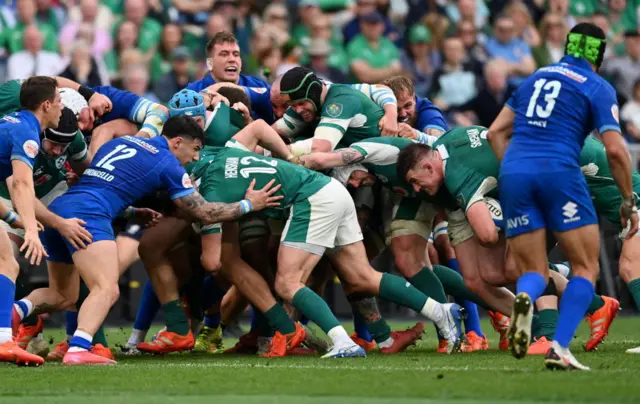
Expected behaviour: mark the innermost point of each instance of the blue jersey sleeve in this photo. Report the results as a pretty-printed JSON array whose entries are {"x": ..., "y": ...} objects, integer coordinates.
[
  {"x": 125, "y": 103},
  {"x": 511, "y": 102},
  {"x": 604, "y": 107},
  {"x": 25, "y": 144},
  {"x": 430, "y": 117},
  {"x": 261, "y": 102},
  {"x": 176, "y": 180}
]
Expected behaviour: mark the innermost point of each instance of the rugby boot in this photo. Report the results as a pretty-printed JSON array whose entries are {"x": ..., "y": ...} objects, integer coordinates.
[
  {"x": 101, "y": 350},
  {"x": 86, "y": 358},
  {"x": 209, "y": 340},
  {"x": 540, "y": 346},
  {"x": 368, "y": 346},
  {"x": 442, "y": 346},
  {"x": 474, "y": 342},
  {"x": 282, "y": 343},
  {"x": 404, "y": 339},
  {"x": 500, "y": 324},
  {"x": 559, "y": 358},
  {"x": 600, "y": 321},
  {"x": 247, "y": 345},
  {"x": 59, "y": 351},
  {"x": 519, "y": 333},
  {"x": 10, "y": 351},
  {"x": 168, "y": 342},
  {"x": 27, "y": 332}
]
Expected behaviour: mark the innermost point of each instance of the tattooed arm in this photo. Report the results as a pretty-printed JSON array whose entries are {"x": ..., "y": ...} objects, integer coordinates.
[
  {"x": 338, "y": 158},
  {"x": 216, "y": 212}
]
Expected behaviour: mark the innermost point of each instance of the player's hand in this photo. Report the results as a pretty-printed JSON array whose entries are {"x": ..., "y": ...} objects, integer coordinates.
[
  {"x": 212, "y": 98},
  {"x": 240, "y": 107},
  {"x": 263, "y": 198},
  {"x": 33, "y": 248},
  {"x": 71, "y": 178},
  {"x": 18, "y": 224},
  {"x": 389, "y": 127},
  {"x": 407, "y": 132},
  {"x": 147, "y": 217},
  {"x": 75, "y": 233},
  {"x": 629, "y": 217},
  {"x": 100, "y": 104}
]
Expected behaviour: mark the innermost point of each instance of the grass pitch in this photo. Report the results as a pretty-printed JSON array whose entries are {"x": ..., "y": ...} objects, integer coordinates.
[{"x": 418, "y": 375}]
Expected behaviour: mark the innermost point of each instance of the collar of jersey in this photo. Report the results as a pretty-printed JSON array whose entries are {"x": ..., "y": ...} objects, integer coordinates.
[
  {"x": 31, "y": 119},
  {"x": 572, "y": 60}
]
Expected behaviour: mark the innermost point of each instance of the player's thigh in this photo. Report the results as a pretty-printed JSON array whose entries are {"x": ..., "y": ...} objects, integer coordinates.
[
  {"x": 630, "y": 259},
  {"x": 467, "y": 253},
  {"x": 97, "y": 264},
  {"x": 158, "y": 240},
  {"x": 492, "y": 263},
  {"x": 8, "y": 264},
  {"x": 127, "y": 252},
  {"x": 529, "y": 251},
  {"x": 581, "y": 247},
  {"x": 410, "y": 253},
  {"x": 352, "y": 266},
  {"x": 64, "y": 278},
  {"x": 434, "y": 259}
]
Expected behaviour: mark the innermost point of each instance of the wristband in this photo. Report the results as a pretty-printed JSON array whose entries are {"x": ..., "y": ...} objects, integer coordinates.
[
  {"x": 11, "y": 217},
  {"x": 129, "y": 212},
  {"x": 86, "y": 92},
  {"x": 245, "y": 206}
]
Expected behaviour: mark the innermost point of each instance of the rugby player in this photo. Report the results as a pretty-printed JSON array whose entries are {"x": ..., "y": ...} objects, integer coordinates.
[
  {"x": 100, "y": 194},
  {"x": 544, "y": 125},
  {"x": 19, "y": 147}
]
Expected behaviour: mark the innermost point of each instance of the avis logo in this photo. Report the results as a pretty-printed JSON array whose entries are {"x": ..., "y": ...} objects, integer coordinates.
[
  {"x": 518, "y": 221},
  {"x": 570, "y": 210}
]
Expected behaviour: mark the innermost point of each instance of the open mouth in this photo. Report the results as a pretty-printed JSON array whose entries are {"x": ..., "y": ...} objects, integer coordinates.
[
  {"x": 403, "y": 120},
  {"x": 231, "y": 69}
]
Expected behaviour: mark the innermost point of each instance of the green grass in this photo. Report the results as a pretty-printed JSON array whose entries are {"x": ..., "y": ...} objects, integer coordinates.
[{"x": 418, "y": 375}]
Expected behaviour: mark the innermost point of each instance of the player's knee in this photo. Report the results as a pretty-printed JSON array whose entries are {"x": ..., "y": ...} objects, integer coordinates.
[
  {"x": 112, "y": 294},
  {"x": 211, "y": 264},
  {"x": 408, "y": 264},
  {"x": 487, "y": 237},
  {"x": 10, "y": 267},
  {"x": 286, "y": 288},
  {"x": 494, "y": 278},
  {"x": 627, "y": 270},
  {"x": 474, "y": 284}
]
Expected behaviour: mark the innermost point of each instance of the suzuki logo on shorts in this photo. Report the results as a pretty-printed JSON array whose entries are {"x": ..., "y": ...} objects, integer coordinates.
[
  {"x": 518, "y": 221},
  {"x": 570, "y": 210}
]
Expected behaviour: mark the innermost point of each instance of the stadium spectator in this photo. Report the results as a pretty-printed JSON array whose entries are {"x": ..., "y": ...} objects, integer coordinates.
[
  {"x": 47, "y": 12},
  {"x": 553, "y": 30},
  {"x": 13, "y": 38},
  {"x": 420, "y": 59},
  {"x": 473, "y": 42},
  {"x": 487, "y": 104},
  {"x": 468, "y": 10},
  {"x": 321, "y": 28},
  {"x": 161, "y": 60},
  {"x": 92, "y": 11},
  {"x": 439, "y": 26},
  {"x": 129, "y": 57},
  {"x": 277, "y": 15},
  {"x": 84, "y": 68},
  {"x": 136, "y": 79},
  {"x": 126, "y": 38},
  {"x": 372, "y": 57},
  {"x": 177, "y": 78},
  {"x": 514, "y": 52},
  {"x": 523, "y": 23},
  {"x": 149, "y": 30},
  {"x": 455, "y": 82},
  {"x": 308, "y": 10},
  {"x": 190, "y": 11},
  {"x": 101, "y": 43},
  {"x": 621, "y": 19},
  {"x": 582, "y": 10},
  {"x": 364, "y": 8},
  {"x": 33, "y": 60},
  {"x": 561, "y": 7},
  {"x": 319, "y": 51},
  {"x": 601, "y": 21},
  {"x": 630, "y": 114},
  {"x": 624, "y": 71}
]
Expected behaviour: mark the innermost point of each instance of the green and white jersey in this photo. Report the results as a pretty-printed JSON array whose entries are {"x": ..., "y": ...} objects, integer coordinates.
[
  {"x": 381, "y": 159},
  {"x": 471, "y": 169},
  {"x": 225, "y": 175},
  {"x": 349, "y": 110},
  {"x": 604, "y": 191},
  {"x": 222, "y": 124},
  {"x": 48, "y": 172},
  {"x": 10, "y": 96}
]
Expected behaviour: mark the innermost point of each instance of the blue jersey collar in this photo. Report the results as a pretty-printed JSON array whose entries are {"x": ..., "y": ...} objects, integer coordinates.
[
  {"x": 31, "y": 119},
  {"x": 575, "y": 61}
]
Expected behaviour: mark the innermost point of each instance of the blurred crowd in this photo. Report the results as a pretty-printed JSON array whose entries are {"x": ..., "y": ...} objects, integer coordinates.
[{"x": 467, "y": 56}]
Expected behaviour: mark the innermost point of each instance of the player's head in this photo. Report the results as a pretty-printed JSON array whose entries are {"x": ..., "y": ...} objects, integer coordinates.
[
  {"x": 56, "y": 141},
  {"x": 354, "y": 175},
  {"x": 302, "y": 90},
  {"x": 587, "y": 41},
  {"x": 278, "y": 102},
  {"x": 189, "y": 103},
  {"x": 78, "y": 105},
  {"x": 402, "y": 88},
  {"x": 223, "y": 57},
  {"x": 39, "y": 94},
  {"x": 419, "y": 165},
  {"x": 185, "y": 138},
  {"x": 235, "y": 95}
]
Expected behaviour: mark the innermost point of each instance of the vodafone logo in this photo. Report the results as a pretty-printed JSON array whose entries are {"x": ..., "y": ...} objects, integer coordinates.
[
  {"x": 30, "y": 148},
  {"x": 186, "y": 181}
]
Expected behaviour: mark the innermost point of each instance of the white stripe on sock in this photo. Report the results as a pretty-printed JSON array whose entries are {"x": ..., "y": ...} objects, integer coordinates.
[
  {"x": 29, "y": 307},
  {"x": 83, "y": 335}
]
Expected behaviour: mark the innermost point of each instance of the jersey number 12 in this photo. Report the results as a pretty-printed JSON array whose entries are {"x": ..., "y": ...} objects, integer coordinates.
[
  {"x": 121, "y": 152},
  {"x": 552, "y": 89}
]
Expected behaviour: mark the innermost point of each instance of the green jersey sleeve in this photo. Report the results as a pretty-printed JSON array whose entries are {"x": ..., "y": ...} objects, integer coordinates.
[
  {"x": 78, "y": 148},
  {"x": 466, "y": 185},
  {"x": 10, "y": 97},
  {"x": 291, "y": 124},
  {"x": 340, "y": 112}
]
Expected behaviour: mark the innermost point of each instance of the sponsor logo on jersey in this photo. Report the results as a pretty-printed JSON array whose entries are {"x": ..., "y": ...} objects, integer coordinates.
[
  {"x": 615, "y": 112},
  {"x": 334, "y": 110},
  {"x": 186, "y": 181},
  {"x": 60, "y": 161},
  {"x": 148, "y": 147},
  {"x": 30, "y": 148},
  {"x": 258, "y": 90},
  {"x": 518, "y": 221},
  {"x": 42, "y": 180},
  {"x": 231, "y": 168},
  {"x": 474, "y": 137},
  {"x": 570, "y": 211},
  {"x": 11, "y": 119},
  {"x": 565, "y": 72},
  {"x": 382, "y": 178}
]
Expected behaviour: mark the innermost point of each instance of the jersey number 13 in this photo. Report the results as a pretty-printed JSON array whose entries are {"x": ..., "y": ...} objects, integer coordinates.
[{"x": 551, "y": 90}]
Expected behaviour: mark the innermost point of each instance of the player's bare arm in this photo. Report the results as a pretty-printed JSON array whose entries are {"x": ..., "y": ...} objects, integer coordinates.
[
  {"x": 24, "y": 196},
  {"x": 212, "y": 212},
  {"x": 338, "y": 158},
  {"x": 98, "y": 103},
  {"x": 483, "y": 226},
  {"x": 500, "y": 132},
  {"x": 620, "y": 165},
  {"x": 109, "y": 131}
]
